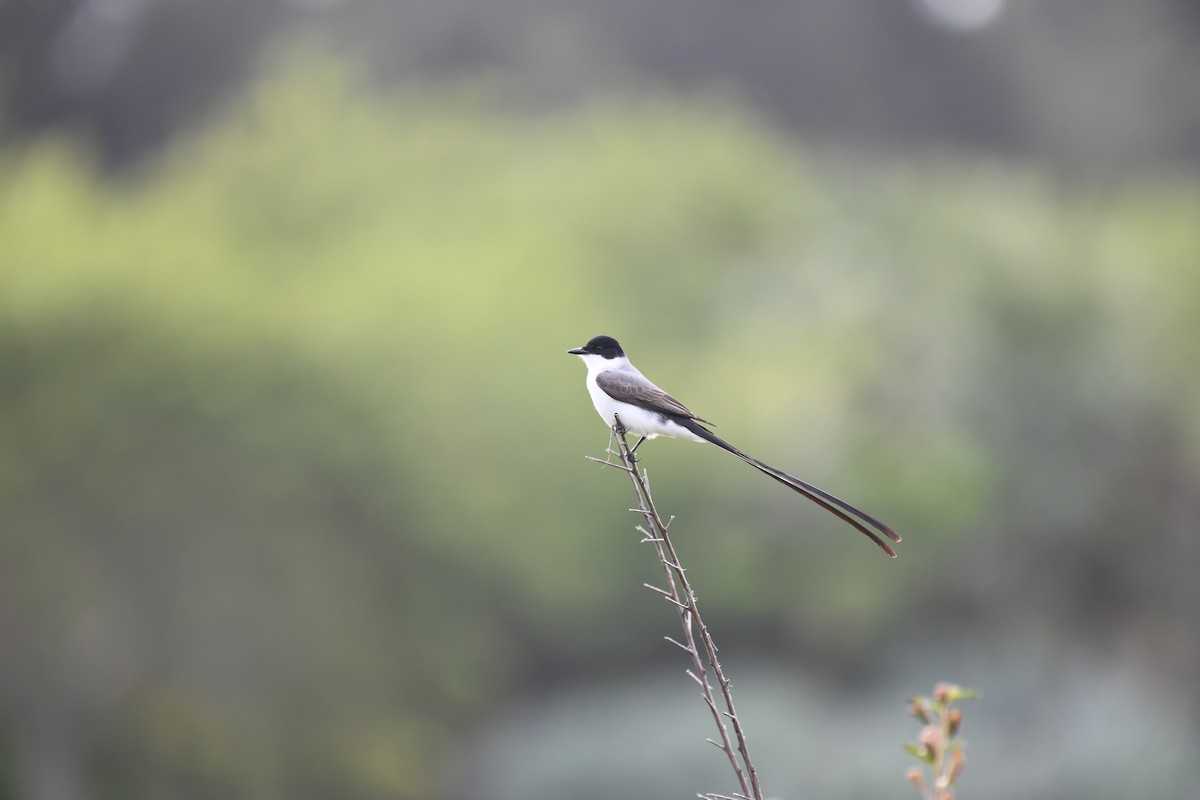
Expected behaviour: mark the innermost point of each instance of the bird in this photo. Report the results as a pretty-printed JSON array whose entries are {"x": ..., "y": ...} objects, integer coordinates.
[{"x": 619, "y": 389}]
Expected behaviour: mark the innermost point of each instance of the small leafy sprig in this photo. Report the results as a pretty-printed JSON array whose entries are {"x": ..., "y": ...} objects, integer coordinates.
[{"x": 937, "y": 746}]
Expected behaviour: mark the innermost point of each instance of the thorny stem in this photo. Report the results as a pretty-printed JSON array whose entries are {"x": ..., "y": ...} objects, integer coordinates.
[{"x": 683, "y": 599}]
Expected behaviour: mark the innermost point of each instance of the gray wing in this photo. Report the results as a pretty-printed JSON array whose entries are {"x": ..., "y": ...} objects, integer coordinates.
[{"x": 638, "y": 391}]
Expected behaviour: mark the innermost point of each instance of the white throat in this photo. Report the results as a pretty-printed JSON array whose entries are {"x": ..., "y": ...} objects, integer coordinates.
[{"x": 596, "y": 364}]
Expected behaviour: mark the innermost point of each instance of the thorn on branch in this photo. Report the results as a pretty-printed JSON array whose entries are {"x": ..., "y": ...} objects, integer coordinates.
[
  {"x": 607, "y": 463},
  {"x": 678, "y": 644}
]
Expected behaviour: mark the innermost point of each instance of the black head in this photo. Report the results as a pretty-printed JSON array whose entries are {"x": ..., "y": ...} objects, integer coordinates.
[{"x": 604, "y": 346}]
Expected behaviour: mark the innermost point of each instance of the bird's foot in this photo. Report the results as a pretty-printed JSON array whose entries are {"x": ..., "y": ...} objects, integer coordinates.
[{"x": 633, "y": 451}]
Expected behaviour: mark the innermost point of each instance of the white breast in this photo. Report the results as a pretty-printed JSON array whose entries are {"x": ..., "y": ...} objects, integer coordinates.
[{"x": 636, "y": 420}]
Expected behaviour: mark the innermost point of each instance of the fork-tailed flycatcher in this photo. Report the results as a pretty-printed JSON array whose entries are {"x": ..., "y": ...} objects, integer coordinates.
[{"x": 617, "y": 388}]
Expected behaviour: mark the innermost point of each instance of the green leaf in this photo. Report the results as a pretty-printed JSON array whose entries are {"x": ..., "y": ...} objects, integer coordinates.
[{"x": 919, "y": 752}]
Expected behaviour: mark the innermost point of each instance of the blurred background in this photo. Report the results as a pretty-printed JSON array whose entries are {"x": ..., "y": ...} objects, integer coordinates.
[{"x": 293, "y": 500}]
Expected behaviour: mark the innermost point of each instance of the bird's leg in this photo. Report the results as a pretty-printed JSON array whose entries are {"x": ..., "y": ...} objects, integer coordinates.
[
  {"x": 633, "y": 450},
  {"x": 620, "y": 430}
]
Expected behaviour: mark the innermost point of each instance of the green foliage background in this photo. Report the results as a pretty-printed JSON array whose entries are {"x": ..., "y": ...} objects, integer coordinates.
[{"x": 291, "y": 481}]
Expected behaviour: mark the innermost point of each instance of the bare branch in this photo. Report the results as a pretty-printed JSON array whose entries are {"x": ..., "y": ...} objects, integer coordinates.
[{"x": 680, "y": 594}]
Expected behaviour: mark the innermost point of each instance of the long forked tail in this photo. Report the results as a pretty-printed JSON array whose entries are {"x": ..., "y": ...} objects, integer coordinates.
[{"x": 821, "y": 497}]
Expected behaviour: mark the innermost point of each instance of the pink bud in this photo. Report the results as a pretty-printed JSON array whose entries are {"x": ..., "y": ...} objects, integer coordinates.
[
  {"x": 944, "y": 692},
  {"x": 954, "y": 720},
  {"x": 931, "y": 737},
  {"x": 916, "y": 779},
  {"x": 916, "y": 709},
  {"x": 958, "y": 763}
]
